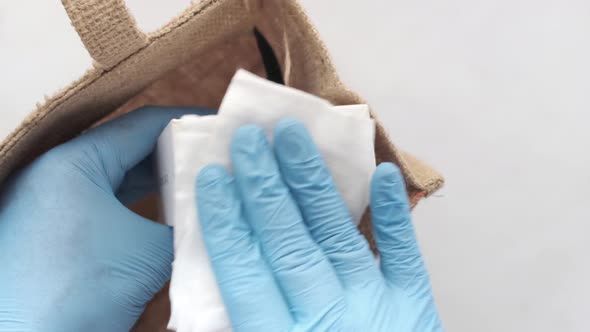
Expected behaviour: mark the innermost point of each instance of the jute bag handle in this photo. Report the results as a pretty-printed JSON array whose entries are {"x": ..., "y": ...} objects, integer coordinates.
[{"x": 107, "y": 29}]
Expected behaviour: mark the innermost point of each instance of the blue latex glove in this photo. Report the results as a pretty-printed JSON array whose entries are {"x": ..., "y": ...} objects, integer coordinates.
[
  {"x": 286, "y": 253},
  {"x": 72, "y": 256}
]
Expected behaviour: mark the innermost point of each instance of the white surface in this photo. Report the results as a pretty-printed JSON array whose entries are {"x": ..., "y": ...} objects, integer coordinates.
[
  {"x": 496, "y": 94},
  {"x": 196, "y": 301}
]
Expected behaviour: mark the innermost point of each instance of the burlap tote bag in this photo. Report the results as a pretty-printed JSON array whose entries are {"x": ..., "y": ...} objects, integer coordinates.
[{"x": 189, "y": 62}]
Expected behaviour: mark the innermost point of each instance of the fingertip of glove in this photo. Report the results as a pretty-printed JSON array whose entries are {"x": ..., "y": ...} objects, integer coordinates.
[
  {"x": 247, "y": 135},
  {"x": 293, "y": 142},
  {"x": 389, "y": 198},
  {"x": 159, "y": 236},
  {"x": 210, "y": 174},
  {"x": 389, "y": 174},
  {"x": 288, "y": 125},
  {"x": 388, "y": 183},
  {"x": 168, "y": 236},
  {"x": 248, "y": 144}
]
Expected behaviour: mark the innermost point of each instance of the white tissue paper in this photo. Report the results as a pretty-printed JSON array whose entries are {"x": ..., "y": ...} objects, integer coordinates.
[{"x": 343, "y": 134}]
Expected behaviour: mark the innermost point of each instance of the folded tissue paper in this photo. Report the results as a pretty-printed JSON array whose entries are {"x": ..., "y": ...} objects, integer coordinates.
[{"x": 343, "y": 134}]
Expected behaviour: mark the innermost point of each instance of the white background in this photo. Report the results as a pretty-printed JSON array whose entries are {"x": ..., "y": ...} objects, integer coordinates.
[{"x": 495, "y": 94}]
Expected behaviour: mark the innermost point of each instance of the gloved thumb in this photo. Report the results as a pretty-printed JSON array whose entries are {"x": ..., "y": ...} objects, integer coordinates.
[{"x": 143, "y": 259}]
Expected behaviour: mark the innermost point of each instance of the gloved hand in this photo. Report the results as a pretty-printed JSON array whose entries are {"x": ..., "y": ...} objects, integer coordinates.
[
  {"x": 286, "y": 253},
  {"x": 72, "y": 256}
]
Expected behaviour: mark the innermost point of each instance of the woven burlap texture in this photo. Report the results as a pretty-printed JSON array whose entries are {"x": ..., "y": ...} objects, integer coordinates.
[
  {"x": 106, "y": 28},
  {"x": 201, "y": 27}
]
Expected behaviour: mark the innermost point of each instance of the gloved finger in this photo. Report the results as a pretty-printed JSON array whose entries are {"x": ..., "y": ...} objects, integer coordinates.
[
  {"x": 148, "y": 254},
  {"x": 401, "y": 260},
  {"x": 304, "y": 274},
  {"x": 138, "y": 182},
  {"x": 252, "y": 297},
  {"x": 321, "y": 204},
  {"x": 117, "y": 146}
]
